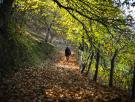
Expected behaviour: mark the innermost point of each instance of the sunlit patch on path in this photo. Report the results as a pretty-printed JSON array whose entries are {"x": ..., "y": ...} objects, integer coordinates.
[{"x": 71, "y": 64}]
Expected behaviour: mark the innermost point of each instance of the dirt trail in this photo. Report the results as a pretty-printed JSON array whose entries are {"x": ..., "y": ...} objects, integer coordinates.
[{"x": 55, "y": 81}]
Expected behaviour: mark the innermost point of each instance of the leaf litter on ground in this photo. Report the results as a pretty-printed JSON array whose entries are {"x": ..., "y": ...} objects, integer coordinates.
[{"x": 56, "y": 81}]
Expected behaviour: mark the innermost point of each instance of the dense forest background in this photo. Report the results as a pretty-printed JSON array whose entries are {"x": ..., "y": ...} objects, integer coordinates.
[{"x": 102, "y": 33}]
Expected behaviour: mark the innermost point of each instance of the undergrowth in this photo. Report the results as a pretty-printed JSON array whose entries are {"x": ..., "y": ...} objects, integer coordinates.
[{"x": 22, "y": 49}]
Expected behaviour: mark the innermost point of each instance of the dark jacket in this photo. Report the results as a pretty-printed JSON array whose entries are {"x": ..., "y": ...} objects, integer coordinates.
[{"x": 67, "y": 51}]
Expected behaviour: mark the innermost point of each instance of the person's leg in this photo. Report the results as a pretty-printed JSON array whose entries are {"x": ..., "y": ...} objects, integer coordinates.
[{"x": 67, "y": 57}]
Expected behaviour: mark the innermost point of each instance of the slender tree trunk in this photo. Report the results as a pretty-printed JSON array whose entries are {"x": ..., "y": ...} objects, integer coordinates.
[
  {"x": 91, "y": 59},
  {"x": 83, "y": 43},
  {"x": 80, "y": 55},
  {"x": 51, "y": 37},
  {"x": 81, "y": 50},
  {"x": 112, "y": 68},
  {"x": 48, "y": 33},
  {"x": 84, "y": 64},
  {"x": 97, "y": 65},
  {"x": 133, "y": 86}
]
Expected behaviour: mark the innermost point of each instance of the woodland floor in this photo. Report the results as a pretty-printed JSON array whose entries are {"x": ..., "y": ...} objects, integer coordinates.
[{"x": 55, "y": 81}]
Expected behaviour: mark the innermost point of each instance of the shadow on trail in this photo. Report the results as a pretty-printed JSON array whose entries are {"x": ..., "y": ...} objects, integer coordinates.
[{"x": 54, "y": 81}]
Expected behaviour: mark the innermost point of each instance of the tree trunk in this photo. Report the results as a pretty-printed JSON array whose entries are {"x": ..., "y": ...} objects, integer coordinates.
[
  {"x": 48, "y": 34},
  {"x": 83, "y": 43},
  {"x": 6, "y": 44},
  {"x": 91, "y": 59},
  {"x": 84, "y": 64},
  {"x": 80, "y": 55},
  {"x": 97, "y": 65},
  {"x": 112, "y": 68},
  {"x": 5, "y": 14},
  {"x": 133, "y": 85}
]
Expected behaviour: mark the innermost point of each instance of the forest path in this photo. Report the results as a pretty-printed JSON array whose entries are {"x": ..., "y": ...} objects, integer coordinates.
[{"x": 55, "y": 81}]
